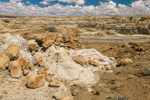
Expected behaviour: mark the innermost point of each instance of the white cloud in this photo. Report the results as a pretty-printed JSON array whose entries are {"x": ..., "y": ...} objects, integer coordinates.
[
  {"x": 28, "y": 2},
  {"x": 14, "y": 1},
  {"x": 44, "y": 3},
  {"x": 78, "y": 2},
  {"x": 141, "y": 7}
]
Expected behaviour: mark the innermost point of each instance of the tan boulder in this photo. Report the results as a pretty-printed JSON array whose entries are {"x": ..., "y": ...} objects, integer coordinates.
[
  {"x": 26, "y": 66},
  {"x": 49, "y": 78},
  {"x": 92, "y": 62},
  {"x": 79, "y": 59},
  {"x": 51, "y": 36},
  {"x": 66, "y": 98},
  {"x": 31, "y": 66},
  {"x": 15, "y": 69},
  {"x": 21, "y": 61},
  {"x": 125, "y": 45},
  {"x": 4, "y": 61},
  {"x": 39, "y": 39},
  {"x": 35, "y": 81},
  {"x": 46, "y": 43},
  {"x": 72, "y": 42},
  {"x": 13, "y": 51},
  {"x": 54, "y": 83},
  {"x": 33, "y": 47},
  {"x": 65, "y": 39},
  {"x": 39, "y": 59},
  {"x": 41, "y": 64},
  {"x": 140, "y": 48},
  {"x": 101, "y": 59},
  {"x": 107, "y": 67},
  {"x": 125, "y": 61},
  {"x": 42, "y": 71},
  {"x": 25, "y": 72}
]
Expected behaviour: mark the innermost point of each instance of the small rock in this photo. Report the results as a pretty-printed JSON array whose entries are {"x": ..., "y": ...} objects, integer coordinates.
[
  {"x": 33, "y": 47},
  {"x": 39, "y": 39},
  {"x": 25, "y": 72},
  {"x": 66, "y": 98},
  {"x": 125, "y": 45},
  {"x": 31, "y": 66},
  {"x": 15, "y": 69},
  {"x": 108, "y": 67},
  {"x": 79, "y": 59},
  {"x": 89, "y": 90},
  {"x": 92, "y": 62},
  {"x": 21, "y": 61},
  {"x": 125, "y": 61},
  {"x": 5, "y": 92},
  {"x": 26, "y": 66},
  {"x": 42, "y": 71},
  {"x": 49, "y": 78},
  {"x": 46, "y": 67},
  {"x": 75, "y": 92},
  {"x": 54, "y": 83},
  {"x": 33, "y": 52},
  {"x": 140, "y": 48},
  {"x": 4, "y": 61},
  {"x": 35, "y": 81},
  {"x": 13, "y": 51},
  {"x": 111, "y": 58},
  {"x": 41, "y": 64},
  {"x": 38, "y": 59},
  {"x": 57, "y": 96},
  {"x": 101, "y": 59},
  {"x": 46, "y": 44},
  {"x": 1, "y": 96}
]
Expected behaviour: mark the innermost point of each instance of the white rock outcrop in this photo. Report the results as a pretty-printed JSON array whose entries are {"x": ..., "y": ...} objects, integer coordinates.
[{"x": 60, "y": 61}]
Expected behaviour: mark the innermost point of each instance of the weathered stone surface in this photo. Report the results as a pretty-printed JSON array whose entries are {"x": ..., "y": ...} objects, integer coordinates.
[
  {"x": 31, "y": 66},
  {"x": 66, "y": 98},
  {"x": 92, "y": 62},
  {"x": 25, "y": 72},
  {"x": 39, "y": 39},
  {"x": 57, "y": 96},
  {"x": 46, "y": 43},
  {"x": 13, "y": 51},
  {"x": 35, "y": 81},
  {"x": 54, "y": 83},
  {"x": 1, "y": 96},
  {"x": 41, "y": 64},
  {"x": 15, "y": 69},
  {"x": 26, "y": 66},
  {"x": 4, "y": 61},
  {"x": 21, "y": 61},
  {"x": 79, "y": 59},
  {"x": 38, "y": 59},
  {"x": 42, "y": 71},
  {"x": 33, "y": 47},
  {"x": 49, "y": 78},
  {"x": 101, "y": 59}
]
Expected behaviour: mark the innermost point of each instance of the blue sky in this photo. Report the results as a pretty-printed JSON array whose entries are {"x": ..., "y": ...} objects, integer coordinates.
[{"x": 75, "y": 7}]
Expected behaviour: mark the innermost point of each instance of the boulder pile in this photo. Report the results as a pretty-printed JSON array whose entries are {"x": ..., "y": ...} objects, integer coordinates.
[{"x": 52, "y": 59}]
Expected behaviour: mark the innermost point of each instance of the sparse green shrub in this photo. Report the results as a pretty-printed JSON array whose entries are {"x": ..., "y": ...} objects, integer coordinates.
[
  {"x": 146, "y": 71},
  {"x": 122, "y": 98},
  {"x": 6, "y": 20},
  {"x": 50, "y": 29},
  {"x": 111, "y": 32},
  {"x": 26, "y": 33}
]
